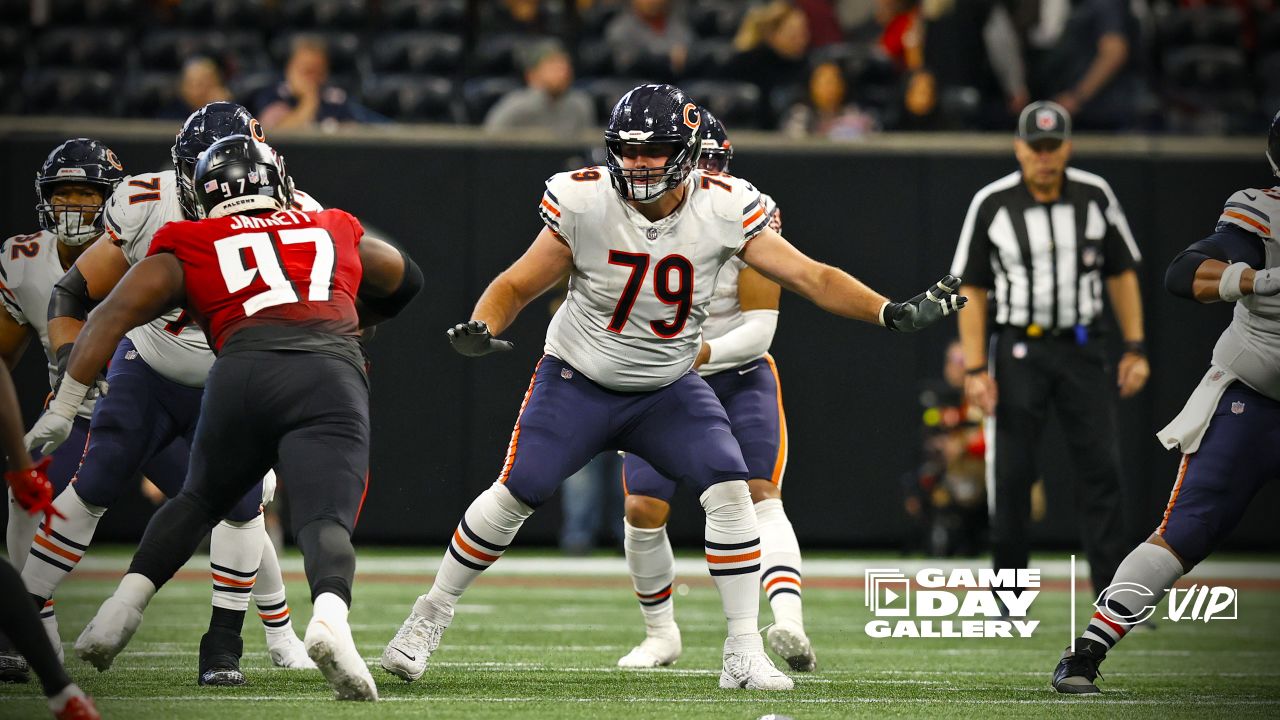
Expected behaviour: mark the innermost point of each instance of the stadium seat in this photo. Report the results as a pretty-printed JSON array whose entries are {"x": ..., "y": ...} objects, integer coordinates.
[
  {"x": 10, "y": 94},
  {"x": 595, "y": 58},
  {"x": 70, "y": 92},
  {"x": 245, "y": 87},
  {"x": 416, "y": 52},
  {"x": 635, "y": 62},
  {"x": 736, "y": 104},
  {"x": 496, "y": 55},
  {"x": 224, "y": 13},
  {"x": 1204, "y": 25},
  {"x": 324, "y": 14},
  {"x": 438, "y": 15},
  {"x": 146, "y": 94},
  {"x": 1202, "y": 67},
  {"x": 597, "y": 18},
  {"x": 481, "y": 94},
  {"x": 13, "y": 44},
  {"x": 244, "y": 52},
  {"x": 707, "y": 58},
  {"x": 167, "y": 50},
  {"x": 414, "y": 98},
  {"x": 344, "y": 50},
  {"x": 118, "y": 13},
  {"x": 82, "y": 47},
  {"x": 717, "y": 18}
]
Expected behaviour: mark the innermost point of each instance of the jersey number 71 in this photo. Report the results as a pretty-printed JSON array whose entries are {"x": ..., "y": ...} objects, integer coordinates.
[{"x": 273, "y": 252}]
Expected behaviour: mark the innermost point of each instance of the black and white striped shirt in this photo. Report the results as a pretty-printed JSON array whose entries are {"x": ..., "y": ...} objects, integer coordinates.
[{"x": 1045, "y": 262}]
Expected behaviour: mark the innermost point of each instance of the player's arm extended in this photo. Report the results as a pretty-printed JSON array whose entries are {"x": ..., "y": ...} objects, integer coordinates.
[
  {"x": 390, "y": 281},
  {"x": 547, "y": 261},
  {"x": 1197, "y": 273},
  {"x": 830, "y": 288},
  {"x": 89, "y": 280}
]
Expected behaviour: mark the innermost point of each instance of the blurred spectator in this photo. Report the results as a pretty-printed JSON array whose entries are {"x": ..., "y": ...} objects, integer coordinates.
[
  {"x": 200, "y": 85},
  {"x": 305, "y": 99},
  {"x": 824, "y": 27},
  {"x": 1078, "y": 53},
  {"x": 825, "y": 113},
  {"x": 649, "y": 29},
  {"x": 974, "y": 44},
  {"x": 946, "y": 495},
  {"x": 549, "y": 102},
  {"x": 589, "y": 499},
  {"x": 772, "y": 44},
  {"x": 903, "y": 35}
]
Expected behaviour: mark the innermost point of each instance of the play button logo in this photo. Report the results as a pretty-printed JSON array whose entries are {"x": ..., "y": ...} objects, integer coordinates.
[{"x": 888, "y": 593}]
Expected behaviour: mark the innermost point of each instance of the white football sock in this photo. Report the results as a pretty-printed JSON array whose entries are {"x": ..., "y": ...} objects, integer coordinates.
[
  {"x": 268, "y": 591},
  {"x": 329, "y": 607},
  {"x": 487, "y": 528},
  {"x": 653, "y": 569},
  {"x": 733, "y": 553},
  {"x": 235, "y": 550},
  {"x": 779, "y": 562},
  {"x": 58, "y": 702},
  {"x": 59, "y": 546},
  {"x": 1150, "y": 566}
]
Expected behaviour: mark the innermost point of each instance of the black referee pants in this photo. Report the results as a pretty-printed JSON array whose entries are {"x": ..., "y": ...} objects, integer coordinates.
[{"x": 1033, "y": 375}]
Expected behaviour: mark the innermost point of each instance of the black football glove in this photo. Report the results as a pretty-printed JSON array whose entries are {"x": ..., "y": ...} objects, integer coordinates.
[
  {"x": 926, "y": 308},
  {"x": 473, "y": 339}
]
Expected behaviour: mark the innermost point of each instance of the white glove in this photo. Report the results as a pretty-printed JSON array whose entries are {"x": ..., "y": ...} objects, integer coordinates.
[
  {"x": 54, "y": 426},
  {"x": 1267, "y": 282},
  {"x": 268, "y": 487}
]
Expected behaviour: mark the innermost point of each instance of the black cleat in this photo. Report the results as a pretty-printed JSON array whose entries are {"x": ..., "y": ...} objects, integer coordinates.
[
  {"x": 1077, "y": 670},
  {"x": 14, "y": 668},
  {"x": 220, "y": 659}
]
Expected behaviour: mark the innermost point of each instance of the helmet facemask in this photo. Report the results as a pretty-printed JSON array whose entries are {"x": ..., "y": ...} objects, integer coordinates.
[
  {"x": 74, "y": 225},
  {"x": 646, "y": 185}
]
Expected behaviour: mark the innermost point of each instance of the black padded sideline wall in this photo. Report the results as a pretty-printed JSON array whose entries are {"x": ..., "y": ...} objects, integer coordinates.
[{"x": 889, "y": 211}]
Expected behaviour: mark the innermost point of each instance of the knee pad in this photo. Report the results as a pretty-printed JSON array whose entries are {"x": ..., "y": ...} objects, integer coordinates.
[{"x": 728, "y": 506}]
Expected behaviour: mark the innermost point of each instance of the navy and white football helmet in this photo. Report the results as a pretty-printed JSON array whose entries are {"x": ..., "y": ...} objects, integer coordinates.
[
  {"x": 203, "y": 128},
  {"x": 1273, "y": 145},
  {"x": 717, "y": 151},
  {"x": 240, "y": 174},
  {"x": 660, "y": 120},
  {"x": 82, "y": 161}
]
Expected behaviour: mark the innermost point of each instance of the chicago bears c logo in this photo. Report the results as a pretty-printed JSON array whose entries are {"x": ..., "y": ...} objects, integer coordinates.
[
  {"x": 256, "y": 130},
  {"x": 113, "y": 160},
  {"x": 692, "y": 118}
]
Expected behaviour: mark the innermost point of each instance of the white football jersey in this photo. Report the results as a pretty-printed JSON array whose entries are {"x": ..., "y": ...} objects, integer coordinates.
[
  {"x": 639, "y": 290},
  {"x": 173, "y": 344},
  {"x": 725, "y": 312},
  {"x": 29, "y": 268},
  {"x": 1250, "y": 346}
]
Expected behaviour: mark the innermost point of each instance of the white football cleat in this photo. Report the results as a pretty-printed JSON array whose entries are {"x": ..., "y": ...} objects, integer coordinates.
[
  {"x": 659, "y": 649},
  {"x": 50, "y": 623},
  {"x": 407, "y": 654},
  {"x": 747, "y": 667},
  {"x": 287, "y": 651},
  {"x": 330, "y": 645},
  {"x": 107, "y": 633},
  {"x": 792, "y": 645}
]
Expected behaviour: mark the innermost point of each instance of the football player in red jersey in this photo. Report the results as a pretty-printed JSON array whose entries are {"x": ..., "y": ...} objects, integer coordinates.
[
  {"x": 33, "y": 492},
  {"x": 282, "y": 295}
]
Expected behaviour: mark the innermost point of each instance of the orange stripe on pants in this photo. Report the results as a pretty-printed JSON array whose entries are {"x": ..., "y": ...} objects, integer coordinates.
[
  {"x": 1173, "y": 496},
  {"x": 779, "y": 465},
  {"x": 515, "y": 432}
]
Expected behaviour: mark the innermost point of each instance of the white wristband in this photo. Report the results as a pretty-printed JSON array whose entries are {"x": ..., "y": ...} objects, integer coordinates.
[
  {"x": 71, "y": 395},
  {"x": 880, "y": 315},
  {"x": 1229, "y": 283}
]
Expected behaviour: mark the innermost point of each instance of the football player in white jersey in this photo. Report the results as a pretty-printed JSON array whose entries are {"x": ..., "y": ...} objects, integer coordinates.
[
  {"x": 735, "y": 362},
  {"x": 642, "y": 241},
  {"x": 1228, "y": 431},
  {"x": 71, "y": 187},
  {"x": 159, "y": 372}
]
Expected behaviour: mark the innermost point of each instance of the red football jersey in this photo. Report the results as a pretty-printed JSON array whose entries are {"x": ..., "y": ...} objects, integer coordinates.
[{"x": 293, "y": 268}]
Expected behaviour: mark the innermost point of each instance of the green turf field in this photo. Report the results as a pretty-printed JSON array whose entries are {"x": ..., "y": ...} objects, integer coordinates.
[{"x": 544, "y": 646}]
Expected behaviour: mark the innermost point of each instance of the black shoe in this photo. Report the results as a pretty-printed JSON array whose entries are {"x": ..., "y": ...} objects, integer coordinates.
[
  {"x": 1077, "y": 670},
  {"x": 14, "y": 668},
  {"x": 220, "y": 659}
]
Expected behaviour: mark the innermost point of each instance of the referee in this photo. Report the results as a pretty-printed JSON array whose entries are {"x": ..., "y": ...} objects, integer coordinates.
[{"x": 1034, "y": 251}]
